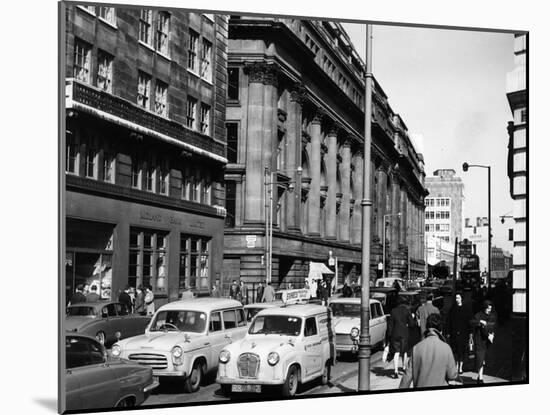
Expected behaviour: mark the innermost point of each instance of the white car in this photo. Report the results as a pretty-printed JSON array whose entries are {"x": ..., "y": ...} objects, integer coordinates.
[
  {"x": 184, "y": 338},
  {"x": 250, "y": 310},
  {"x": 283, "y": 347},
  {"x": 346, "y": 314}
]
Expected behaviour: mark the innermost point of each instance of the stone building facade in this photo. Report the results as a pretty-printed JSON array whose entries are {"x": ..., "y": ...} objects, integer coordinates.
[
  {"x": 144, "y": 149},
  {"x": 295, "y": 123}
]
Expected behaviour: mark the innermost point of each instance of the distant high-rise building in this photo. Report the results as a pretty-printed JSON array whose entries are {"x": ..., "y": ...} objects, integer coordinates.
[{"x": 444, "y": 206}]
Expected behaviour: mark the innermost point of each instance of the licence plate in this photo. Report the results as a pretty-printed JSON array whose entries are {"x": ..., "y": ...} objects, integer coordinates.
[{"x": 246, "y": 388}]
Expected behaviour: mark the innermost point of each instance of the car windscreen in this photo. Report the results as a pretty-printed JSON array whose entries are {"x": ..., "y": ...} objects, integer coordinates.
[
  {"x": 251, "y": 312},
  {"x": 81, "y": 311},
  {"x": 346, "y": 310},
  {"x": 273, "y": 324},
  {"x": 179, "y": 320}
]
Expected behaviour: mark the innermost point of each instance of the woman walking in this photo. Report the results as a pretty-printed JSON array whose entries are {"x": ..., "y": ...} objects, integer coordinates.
[
  {"x": 459, "y": 330},
  {"x": 484, "y": 325}
]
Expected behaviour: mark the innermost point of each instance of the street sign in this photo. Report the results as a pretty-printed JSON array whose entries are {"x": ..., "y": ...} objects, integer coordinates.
[{"x": 331, "y": 262}]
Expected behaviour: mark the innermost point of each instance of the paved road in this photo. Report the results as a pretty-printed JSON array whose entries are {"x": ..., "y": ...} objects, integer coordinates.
[{"x": 171, "y": 392}]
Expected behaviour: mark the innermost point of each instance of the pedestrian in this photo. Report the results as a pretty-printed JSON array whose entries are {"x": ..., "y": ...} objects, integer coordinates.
[
  {"x": 78, "y": 296},
  {"x": 140, "y": 301},
  {"x": 325, "y": 292},
  {"x": 346, "y": 290},
  {"x": 234, "y": 291},
  {"x": 215, "y": 292},
  {"x": 149, "y": 300},
  {"x": 269, "y": 293},
  {"x": 86, "y": 290},
  {"x": 92, "y": 295},
  {"x": 187, "y": 294},
  {"x": 424, "y": 311},
  {"x": 400, "y": 321},
  {"x": 260, "y": 292},
  {"x": 459, "y": 330},
  {"x": 125, "y": 298},
  {"x": 432, "y": 362},
  {"x": 244, "y": 293},
  {"x": 484, "y": 326}
]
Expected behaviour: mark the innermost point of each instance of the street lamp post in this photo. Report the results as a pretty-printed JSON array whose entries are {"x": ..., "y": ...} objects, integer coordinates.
[
  {"x": 465, "y": 167},
  {"x": 269, "y": 180},
  {"x": 384, "y": 242}
]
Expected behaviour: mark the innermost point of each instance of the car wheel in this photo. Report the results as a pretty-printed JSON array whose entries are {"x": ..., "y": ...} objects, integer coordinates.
[
  {"x": 226, "y": 389},
  {"x": 125, "y": 403},
  {"x": 100, "y": 337},
  {"x": 326, "y": 374},
  {"x": 290, "y": 387},
  {"x": 193, "y": 381}
]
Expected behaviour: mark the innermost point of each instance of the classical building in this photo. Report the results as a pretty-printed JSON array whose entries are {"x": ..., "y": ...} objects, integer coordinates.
[
  {"x": 295, "y": 125},
  {"x": 516, "y": 92},
  {"x": 144, "y": 149},
  {"x": 444, "y": 206}
]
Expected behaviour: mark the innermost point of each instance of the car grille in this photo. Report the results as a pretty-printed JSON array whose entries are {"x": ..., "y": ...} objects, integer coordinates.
[
  {"x": 344, "y": 340},
  {"x": 248, "y": 365},
  {"x": 156, "y": 361}
]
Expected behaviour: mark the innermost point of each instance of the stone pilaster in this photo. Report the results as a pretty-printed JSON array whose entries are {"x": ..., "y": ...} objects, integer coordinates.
[
  {"x": 345, "y": 177},
  {"x": 403, "y": 239},
  {"x": 358, "y": 195},
  {"x": 314, "y": 208},
  {"x": 331, "y": 166},
  {"x": 381, "y": 200},
  {"x": 394, "y": 220}
]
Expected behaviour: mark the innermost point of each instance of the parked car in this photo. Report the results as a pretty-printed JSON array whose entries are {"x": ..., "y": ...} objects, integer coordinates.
[
  {"x": 185, "y": 338},
  {"x": 386, "y": 295},
  {"x": 347, "y": 323},
  {"x": 283, "y": 347},
  {"x": 250, "y": 310},
  {"x": 390, "y": 282},
  {"x": 107, "y": 321},
  {"x": 95, "y": 381}
]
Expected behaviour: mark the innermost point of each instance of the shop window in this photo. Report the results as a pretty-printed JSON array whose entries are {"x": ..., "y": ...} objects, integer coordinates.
[
  {"x": 163, "y": 30},
  {"x": 145, "y": 23},
  {"x": 82, "y": 61},
  {"x": 148, "y": 259},
  {"x": 194, "y": 262}
]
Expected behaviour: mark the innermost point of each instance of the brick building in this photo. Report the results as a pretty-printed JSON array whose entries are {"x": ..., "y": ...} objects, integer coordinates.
[
  {"x": 144, "y": 148},
  {"x": 295, "y": 122}
]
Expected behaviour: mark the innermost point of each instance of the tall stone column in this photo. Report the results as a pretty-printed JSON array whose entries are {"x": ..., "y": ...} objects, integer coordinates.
[
  {"x": 294, "y": 158},
  {"x": 358, "y": 195},
  {"x": 381, "y": 202},
  {"x": 254, "y": 189},
  {"x": 416, "y": 221},
  {"x": 314, "y": 208},
  {"x": 396, "y": 206},
  {"x": 345, "y": 177},
  {"x": 331, "y": 167},
  {"x": 410, "y": 230},
  {"x": 403, "y": 239}
]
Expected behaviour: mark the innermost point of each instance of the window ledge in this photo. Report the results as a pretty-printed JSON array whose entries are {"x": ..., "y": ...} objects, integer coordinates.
[
  {"x": 108, "y": 23},
  {"x": 91, "y": 13},
  {"x": 193, "y": 73},
  {"x": 146, "y": 45},
  {"x": 164, "y": 56}
]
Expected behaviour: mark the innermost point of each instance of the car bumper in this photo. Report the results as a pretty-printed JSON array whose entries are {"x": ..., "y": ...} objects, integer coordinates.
[
  {"x": 224, "y": 380},
  {"x": 346, "y": 348},
  {"x": 153, "y": 385}
]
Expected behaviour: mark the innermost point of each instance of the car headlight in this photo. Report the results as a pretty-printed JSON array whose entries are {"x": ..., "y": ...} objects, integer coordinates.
[
  {"x": 116, "y": 350},
  {"x": 273, "y": 358},
  {"x": 354, "y": 333},
  {"x": 177, "y": 352},
  {"x": 224, "y": 356}
]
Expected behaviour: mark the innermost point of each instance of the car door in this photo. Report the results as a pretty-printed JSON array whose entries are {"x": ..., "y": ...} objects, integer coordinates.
[
  {"x": 215, "y": 340},
  {"x": 88, "y": 371},
  {"x": 109, "y": 320},
  {"x": 377, "y": 326},
  {"x": 312, "y": 347},
  {"x": 121, "y": 323},
  {"x": 234, "y": 325}
]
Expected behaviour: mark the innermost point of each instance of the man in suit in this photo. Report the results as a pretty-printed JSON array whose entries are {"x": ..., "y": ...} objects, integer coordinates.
[
  {"x": 125, "y": 298},
  {"x": 78, "y": 296},
  {"x": 400, "y": 320},
  {"x": 93, "y": 295},
  {"x": 424, "y": 311}
]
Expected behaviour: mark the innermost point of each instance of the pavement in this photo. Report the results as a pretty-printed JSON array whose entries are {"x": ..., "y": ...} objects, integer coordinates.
[{"x": 498, "y": 369}]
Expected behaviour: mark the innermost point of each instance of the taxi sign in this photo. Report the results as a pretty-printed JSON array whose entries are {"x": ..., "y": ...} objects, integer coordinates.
[{"x": 296, "y": 296}]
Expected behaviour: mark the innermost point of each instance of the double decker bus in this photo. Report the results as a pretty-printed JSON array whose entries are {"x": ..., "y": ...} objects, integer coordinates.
[{"x": 470, "y": 273}]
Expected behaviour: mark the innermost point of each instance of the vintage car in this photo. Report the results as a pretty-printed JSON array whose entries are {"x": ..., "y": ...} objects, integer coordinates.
[
  {"x": 107, "y": 321},
  {"x": 386, "y": 295},
  {"x": 250, "y": 310},
  {"x": 346, "y": 314},
  {"x": 284, "y": 346},
  {"x": 95, "y": 381},
  {"x": 184, "y": 338},
  {"x": 390, "y": 282}
]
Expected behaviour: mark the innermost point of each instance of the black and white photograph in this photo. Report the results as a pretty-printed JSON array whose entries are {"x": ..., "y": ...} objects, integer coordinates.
[{"x": 279, "y": 208}]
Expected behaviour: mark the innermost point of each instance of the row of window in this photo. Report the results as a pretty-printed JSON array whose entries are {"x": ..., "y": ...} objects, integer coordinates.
[
  {"x": 438, "y": 227},
  {"x": 439, "y": 214},
  {"x": 438, "y": 201},
  {"x": 148, "y": 261},
  {"x": 85, "y": 158}
]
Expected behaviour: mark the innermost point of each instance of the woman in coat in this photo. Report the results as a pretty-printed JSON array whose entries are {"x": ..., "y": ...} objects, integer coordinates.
[
  {"x": 484, "y": 325},
  {"x": 459, "y": 329}
]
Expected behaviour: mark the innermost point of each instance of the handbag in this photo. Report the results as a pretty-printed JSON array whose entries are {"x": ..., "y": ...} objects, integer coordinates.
[{"x": 471, "y": 346}]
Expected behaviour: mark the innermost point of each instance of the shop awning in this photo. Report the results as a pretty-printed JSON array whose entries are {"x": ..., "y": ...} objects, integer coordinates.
[{"x": 318, "y": 268}]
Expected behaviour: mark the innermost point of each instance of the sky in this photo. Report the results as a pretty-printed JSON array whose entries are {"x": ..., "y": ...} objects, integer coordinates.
[{"x": 449, "y": 86}]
